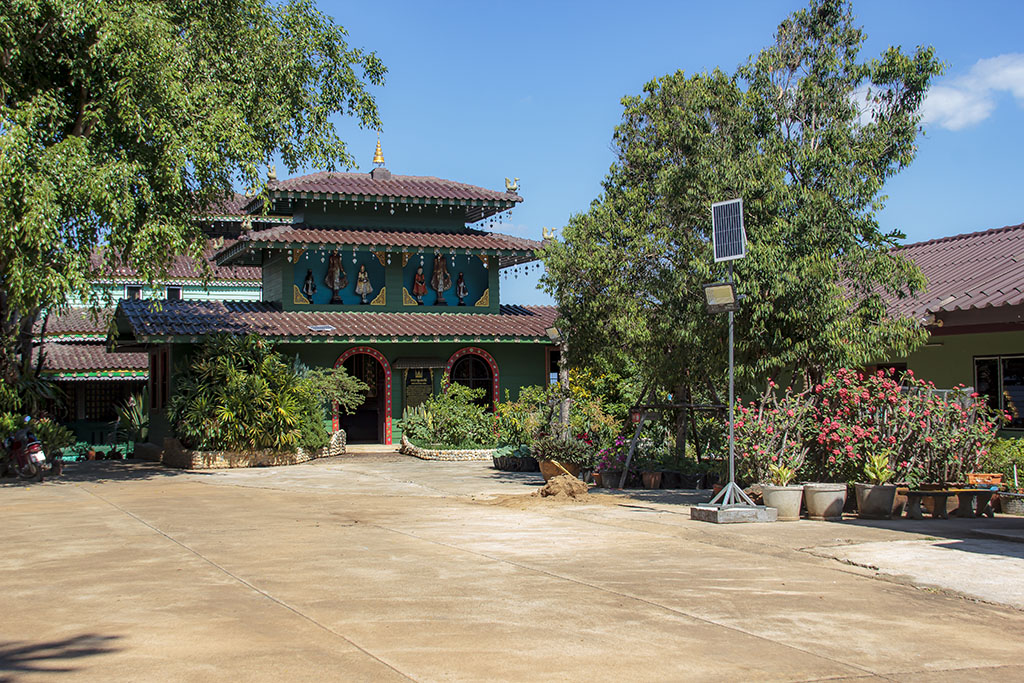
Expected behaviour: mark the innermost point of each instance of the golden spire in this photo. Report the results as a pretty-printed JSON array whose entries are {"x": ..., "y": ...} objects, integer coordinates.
[{"x": 378, "y": 156}]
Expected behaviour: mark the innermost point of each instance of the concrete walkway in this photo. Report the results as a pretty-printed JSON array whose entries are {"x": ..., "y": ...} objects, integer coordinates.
[{"x": 385, "y": 567}]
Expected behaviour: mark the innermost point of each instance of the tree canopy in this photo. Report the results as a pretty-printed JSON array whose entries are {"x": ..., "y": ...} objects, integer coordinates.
[
  {"x": 122, "y": 120},
  {"x": 806, "y": 133}
]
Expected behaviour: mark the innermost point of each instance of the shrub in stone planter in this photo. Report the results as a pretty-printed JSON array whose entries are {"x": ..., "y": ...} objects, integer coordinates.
[
  {"x": 875, "y": 497},
  {"x": 451, "y": 420},
  {"x": 238, "y": 394}
]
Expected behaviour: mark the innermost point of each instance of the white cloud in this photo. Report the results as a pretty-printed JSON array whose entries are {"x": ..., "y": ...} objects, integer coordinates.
[{"x": 970, "y": 99}]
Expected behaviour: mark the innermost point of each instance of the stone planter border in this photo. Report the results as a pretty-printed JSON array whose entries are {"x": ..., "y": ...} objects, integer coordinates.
[
  {"x": 176, "y": 455},
  {"x": 408, "y": 448}
]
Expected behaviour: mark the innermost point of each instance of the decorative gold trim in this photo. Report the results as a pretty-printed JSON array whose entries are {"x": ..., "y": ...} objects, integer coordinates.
[
  {"x": 407, "y": 299},
  {"x": 380, "y": 257},
  {"x": 380, "y": 298},
  {"x": 296, "y": 253},
  {"x": 483, "y": 260},
  {"x": 484, "y": 300},
  {"x": 405, "y": 258},
  {"x": 297, "y": 297}
]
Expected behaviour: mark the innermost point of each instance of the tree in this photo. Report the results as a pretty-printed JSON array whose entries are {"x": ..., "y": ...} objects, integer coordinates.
[
  {"x": 807, "y": 135},
  {"x": 122, "y": 120}
]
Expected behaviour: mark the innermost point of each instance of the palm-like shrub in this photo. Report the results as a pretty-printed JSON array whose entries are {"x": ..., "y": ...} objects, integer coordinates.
[{"x": 238, "y": 393}]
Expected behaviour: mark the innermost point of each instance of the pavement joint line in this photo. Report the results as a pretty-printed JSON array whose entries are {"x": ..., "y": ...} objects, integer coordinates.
[
  {"x": 637, "y": 598},
  {"x": 251, "y": 586}
]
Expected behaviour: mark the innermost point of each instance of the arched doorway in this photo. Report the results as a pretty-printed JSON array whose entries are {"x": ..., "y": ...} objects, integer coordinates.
[
  {"x": 371, "y": 422},
  {"x": 475, "y": 368}
]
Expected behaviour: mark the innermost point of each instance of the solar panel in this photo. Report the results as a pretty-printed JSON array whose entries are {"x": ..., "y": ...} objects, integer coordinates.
[{"x": 727, "y": 235}]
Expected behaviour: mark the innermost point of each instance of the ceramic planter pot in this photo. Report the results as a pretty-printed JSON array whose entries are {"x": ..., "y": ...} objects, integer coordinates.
[
  {"x": 651, "y": 480},
  {"x": 785, "y": 499},
  {"x": 825, "y": 501},
  {"x": 548, "y": 469},
  {"x": 610, "y": 479},
  {"x": 671, "y": 480},
  {"x": 875, "y": 501}
]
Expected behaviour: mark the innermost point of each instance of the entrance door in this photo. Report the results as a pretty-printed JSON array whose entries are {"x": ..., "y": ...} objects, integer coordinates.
[{"x": 366, "y": 424}]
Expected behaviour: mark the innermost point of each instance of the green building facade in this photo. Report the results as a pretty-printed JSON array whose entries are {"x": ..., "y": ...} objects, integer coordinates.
[{"x": 387, "y": 275}]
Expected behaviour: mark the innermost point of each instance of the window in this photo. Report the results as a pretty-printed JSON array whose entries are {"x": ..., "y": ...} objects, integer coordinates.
[
  {"x": 174, "y": 293},
  {"x": 1001, "y": 380},
  {"x": 554, "y": 363},
  {"x": 473, "y": 372},
  {"x": 133, "y": 291}
]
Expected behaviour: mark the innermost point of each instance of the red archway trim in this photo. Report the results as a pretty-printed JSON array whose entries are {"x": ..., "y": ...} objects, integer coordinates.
[
  {"x": 475, "y": 351},
  {"x": 370, "y": 351}
]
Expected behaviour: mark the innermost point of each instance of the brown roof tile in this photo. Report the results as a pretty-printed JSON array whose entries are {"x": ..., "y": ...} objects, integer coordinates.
[
  {"x": 974, "y": 270},
  {"x": 76, "y": 322},
  {"x": 183, "y": 270},
  {"x": 409, "y": 186},
  {"x": 196, "y": 318},
  {"x": 303, "y": 234},
  {"x": 80, "y": 358}
]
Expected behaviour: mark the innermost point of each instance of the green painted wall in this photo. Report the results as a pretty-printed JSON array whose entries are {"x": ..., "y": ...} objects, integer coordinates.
[
  {"x": 192, "y": 292},
  {"x": 404, "y": 217},
  {"x": 277, "y": 278},
  {"x": 952, "y": 363}
]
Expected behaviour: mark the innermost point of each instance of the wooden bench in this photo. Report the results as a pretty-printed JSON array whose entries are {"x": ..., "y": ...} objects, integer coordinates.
[{"x": 972, "y": 503}]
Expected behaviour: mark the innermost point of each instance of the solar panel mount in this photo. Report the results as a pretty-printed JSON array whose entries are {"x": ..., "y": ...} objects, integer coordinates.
[{"x": 727, "y": 235}]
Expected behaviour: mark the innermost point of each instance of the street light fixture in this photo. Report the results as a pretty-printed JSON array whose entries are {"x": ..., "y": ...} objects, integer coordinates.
[
  {"x": 554, "y": 334},
  {"x": 721, "y": 297}
]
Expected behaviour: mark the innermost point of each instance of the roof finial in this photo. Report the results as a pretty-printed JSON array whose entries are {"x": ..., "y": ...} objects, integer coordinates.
[{"x": 378, "y": 156}]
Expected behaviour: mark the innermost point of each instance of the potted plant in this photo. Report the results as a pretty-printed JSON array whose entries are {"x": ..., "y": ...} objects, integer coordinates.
[
  {"x": 782, "y": 494},
  {"x": 557, "y": 456},
  {"x": 875, "y": 498}
]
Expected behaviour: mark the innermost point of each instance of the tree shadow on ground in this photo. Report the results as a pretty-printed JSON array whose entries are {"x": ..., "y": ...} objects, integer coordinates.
[
  {"x": 1003, "y": 535},
  {"x": 102, "y": 471},
  {"x": 51, "y": 657}
]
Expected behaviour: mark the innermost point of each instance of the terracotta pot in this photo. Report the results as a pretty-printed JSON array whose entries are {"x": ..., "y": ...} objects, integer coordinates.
[
  {"x": 875, "y": 501},
  {"x": 825, "y": 501},
  {"x": 651, "y": 480},
  {"x": 597, "y": 480},
  {"x": 548, "y": 469},
  {"x": 785, "y": 499}
]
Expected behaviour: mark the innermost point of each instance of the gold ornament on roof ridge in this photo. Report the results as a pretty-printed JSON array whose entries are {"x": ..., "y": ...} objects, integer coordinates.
[{"x": 378, "y": 155}]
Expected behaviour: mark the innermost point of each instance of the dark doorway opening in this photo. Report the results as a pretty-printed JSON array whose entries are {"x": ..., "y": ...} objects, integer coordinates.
[{"x": 366, "y": 424}]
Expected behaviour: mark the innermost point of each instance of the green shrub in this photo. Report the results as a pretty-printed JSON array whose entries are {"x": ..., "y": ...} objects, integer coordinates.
[
  {"x": 133, "y": 418},
  {"x": 451, "y": 419},
  {"x": 1002, "y": 456},
  {"x": 573, "y": 451},
  {"x": 238, "y": 393},
  {"x": 51, "y": 435}
]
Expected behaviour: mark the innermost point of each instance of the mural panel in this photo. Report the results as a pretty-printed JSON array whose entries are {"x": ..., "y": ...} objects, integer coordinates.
[
  {"x": 324, "y": 277},
  {"x": 432, "y": 279}
]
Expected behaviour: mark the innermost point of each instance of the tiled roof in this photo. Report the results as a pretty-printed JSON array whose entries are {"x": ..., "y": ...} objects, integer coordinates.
[
  {"x": 196, "y": 318},
  {"x": 307, "y": 235},
  {"x": 184, "y": 271},
  {"x": 970, "y": 271},
  {"x": 230, "y": 206},
  {"x": 81, "y": 359},
  {"x": 76, "y": 323},
  {"x": 398, "y": 186}
]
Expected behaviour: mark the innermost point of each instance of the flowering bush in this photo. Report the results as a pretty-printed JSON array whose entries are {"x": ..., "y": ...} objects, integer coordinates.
[
  {"x": 773, "y": 432},
  {"x": 613, "y": 458},
  {"x": 834, "y": 429}
]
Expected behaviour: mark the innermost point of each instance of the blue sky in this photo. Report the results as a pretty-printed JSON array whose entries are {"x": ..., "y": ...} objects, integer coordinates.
[{"x": 477, "y": 91}]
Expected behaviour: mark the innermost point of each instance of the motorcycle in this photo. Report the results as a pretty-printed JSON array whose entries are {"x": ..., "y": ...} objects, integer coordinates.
[{"x": 26, "y": 458}]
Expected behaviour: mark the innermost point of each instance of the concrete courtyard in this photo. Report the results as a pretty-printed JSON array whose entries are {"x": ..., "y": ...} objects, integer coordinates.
[{"x": 381, "y": 567}]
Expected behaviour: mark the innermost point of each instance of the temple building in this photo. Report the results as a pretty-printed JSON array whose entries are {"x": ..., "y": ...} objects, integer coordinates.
[{"x": 385, "y": 274}]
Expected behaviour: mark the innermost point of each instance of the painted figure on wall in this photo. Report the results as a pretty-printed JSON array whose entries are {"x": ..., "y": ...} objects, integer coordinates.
[
  {"x": 461, "y": 290},
  {"x": 363, "y": 286},
  {"x": 309, "y": 285},
  {"x": 336, "y": 280},
  {"x": 419, "y": 285},
  {"x": 441, "y": 281}
]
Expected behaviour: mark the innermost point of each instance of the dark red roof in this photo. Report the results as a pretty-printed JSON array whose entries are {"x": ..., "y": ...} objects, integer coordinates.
[
  {"x": 969, "y": 271},
  {"x": 81, "y": 358},
  {"x": 230, "y": 206},
  {"x": 196, "y": 318},
  {"x": 76, "y": 323},
  {"x": 308, "y": 235},
  {"x": 183, "y": 270},
  {"x": 397, "y": 186}
]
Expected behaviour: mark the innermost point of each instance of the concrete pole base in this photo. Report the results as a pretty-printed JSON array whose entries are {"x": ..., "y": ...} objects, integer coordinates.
[{"x": 733, "y": 514}]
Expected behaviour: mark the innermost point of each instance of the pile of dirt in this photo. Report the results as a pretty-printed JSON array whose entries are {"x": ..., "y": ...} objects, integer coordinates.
[{"x": 563, "y": 486}]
